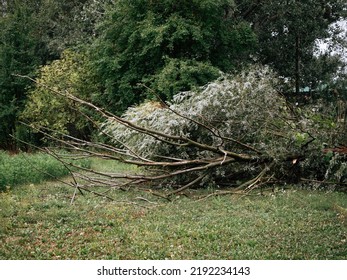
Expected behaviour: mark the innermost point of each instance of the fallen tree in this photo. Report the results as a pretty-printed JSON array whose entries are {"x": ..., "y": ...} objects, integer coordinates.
[{"x": 237, "y": 132}]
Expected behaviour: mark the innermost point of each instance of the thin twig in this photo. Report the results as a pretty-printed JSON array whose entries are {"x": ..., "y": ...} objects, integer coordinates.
[{"x": 187, "y": 186}]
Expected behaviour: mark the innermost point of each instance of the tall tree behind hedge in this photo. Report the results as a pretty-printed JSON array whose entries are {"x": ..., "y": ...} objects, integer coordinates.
[
  {"x": 168, "y": 45},
  {"x": 70, "y": 24},
  {"x": 32, "y": 33},
  {"x": 21, "y": 52},
  {"x": 288, "y": 31}
]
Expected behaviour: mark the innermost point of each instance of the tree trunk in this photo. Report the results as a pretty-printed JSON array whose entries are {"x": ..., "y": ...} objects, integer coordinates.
[{"x": 297, "y": 65}]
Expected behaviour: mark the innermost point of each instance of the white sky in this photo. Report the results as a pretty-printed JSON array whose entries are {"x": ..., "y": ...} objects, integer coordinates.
[{"x": 324, "y": 45}]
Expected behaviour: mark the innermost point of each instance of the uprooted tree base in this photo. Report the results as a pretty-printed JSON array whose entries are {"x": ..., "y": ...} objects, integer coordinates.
[{"x": 237, "y": 132}]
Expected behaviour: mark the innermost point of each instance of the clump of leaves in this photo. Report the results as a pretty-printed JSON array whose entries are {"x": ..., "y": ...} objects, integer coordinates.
[
  {"x": 232, "y": 112},
  {"x": 242, "y": 117},
  {"x": 68, "y": 74}
]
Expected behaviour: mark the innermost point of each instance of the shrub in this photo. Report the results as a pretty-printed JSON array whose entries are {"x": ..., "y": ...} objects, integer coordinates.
[{"x": 68, "y": 74}]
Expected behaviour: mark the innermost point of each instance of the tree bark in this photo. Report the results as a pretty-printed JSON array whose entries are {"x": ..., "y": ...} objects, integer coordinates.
[{"x": 297, "y": 65}]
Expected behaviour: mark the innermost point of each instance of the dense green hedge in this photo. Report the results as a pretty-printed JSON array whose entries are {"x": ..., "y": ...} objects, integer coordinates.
[{"x": 29, "y": 168}]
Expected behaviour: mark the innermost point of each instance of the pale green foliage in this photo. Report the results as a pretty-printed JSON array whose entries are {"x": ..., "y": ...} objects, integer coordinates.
[
  {"x": 45, "y": 108},
  {"x": 245, "y": 107},
  {"x": 242, "y": 113}
]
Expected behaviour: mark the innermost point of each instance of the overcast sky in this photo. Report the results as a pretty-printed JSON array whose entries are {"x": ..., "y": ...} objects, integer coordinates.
[{"x": 324, "y": 45}]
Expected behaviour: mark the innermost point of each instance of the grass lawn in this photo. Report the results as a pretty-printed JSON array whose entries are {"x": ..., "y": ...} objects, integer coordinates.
[{"x": 38, "y": 222}]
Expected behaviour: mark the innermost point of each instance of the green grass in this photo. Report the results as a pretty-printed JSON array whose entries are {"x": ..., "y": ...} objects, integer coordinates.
[
  {"x": 29, "y": 168},
  {"x": 38, "y": 222}
]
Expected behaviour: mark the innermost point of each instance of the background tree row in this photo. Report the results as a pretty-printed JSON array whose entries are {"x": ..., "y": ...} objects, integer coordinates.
[{"x": 135, "y": 50}]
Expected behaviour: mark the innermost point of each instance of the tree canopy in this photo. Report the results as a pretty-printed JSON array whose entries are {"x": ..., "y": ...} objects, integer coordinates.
[
  {"x": 21, "y": 52},
  {"x": 288, "y": 31},
  {"x": 169, "y": 46},
  {"x": 148, "y": 49}
]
